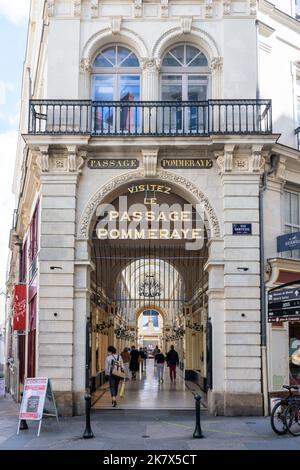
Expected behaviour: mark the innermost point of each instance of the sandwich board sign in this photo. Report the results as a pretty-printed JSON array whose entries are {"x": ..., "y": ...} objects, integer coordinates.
[{"x": 37, "y": 401}]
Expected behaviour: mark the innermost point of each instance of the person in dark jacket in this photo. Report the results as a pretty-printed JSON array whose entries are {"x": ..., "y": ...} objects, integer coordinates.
[
  {"x": 134, "y": 361},
  {"x": 172, "y": 361},
  {"x": 160, "y": 362}
]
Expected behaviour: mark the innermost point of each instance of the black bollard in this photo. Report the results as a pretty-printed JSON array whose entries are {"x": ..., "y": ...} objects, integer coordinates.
[
  {"x": 23, "y": 425},
  {"x": 88, "y": 433},
  {"x": 198, "y": 432}
]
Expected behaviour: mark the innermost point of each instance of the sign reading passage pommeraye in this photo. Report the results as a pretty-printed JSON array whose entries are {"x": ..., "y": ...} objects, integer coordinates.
[
  {"x": 290, "y": 241},
  {"x": 284, "y": 305}
]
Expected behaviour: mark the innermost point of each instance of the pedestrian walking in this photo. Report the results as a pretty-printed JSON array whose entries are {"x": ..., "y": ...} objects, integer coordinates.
[
  {"x": 160, "y": 362},
  {"x": 172, "y": 362},
  {"x": 113, "y": 365},
  {"x": 142, "y": 359},
  {"x": 126, "y": 361},
  {"x": 134, "y": 362}
]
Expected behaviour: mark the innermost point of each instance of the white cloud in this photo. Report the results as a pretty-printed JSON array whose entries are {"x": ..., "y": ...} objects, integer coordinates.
[
  {"x": 15, "y": 11},
  {"x": 8, "y": 144}
]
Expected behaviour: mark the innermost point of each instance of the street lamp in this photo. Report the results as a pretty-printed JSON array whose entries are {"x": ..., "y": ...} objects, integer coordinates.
[{"x": 88, "y": 433}]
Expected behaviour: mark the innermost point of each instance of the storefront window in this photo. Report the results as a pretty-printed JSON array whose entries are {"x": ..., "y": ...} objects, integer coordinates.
[
  {"x": 292, "y": 217},
  {"x": 294, "y": 352}
]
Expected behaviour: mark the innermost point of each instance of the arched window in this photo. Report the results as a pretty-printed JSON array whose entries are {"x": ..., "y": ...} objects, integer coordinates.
[
  {"x": 184, "y": 77},
  {"x": 184, "y": 74},
  {"x": 116, "y": 75}
]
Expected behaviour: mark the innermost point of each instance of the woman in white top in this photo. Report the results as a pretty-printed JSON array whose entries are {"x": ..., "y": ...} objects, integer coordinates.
[{"x": 114, "y": 381}]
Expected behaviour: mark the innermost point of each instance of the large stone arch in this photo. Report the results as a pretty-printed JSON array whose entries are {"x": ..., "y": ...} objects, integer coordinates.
[
  {"x": 197, "y": 36},
  {"x": 107, "y": 36},
  {"x": 185, "y": 187}
]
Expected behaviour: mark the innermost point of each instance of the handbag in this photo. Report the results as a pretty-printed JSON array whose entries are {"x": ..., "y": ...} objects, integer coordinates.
[
  {"x": 116, "y": 369},
  {"x": 122, "y": 389}
]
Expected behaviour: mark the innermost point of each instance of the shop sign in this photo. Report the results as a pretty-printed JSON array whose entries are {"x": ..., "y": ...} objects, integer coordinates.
[
  {"x": 284, "y": 305},
  {"x": 290, "y": 241},
  {"x": 37, "y": 401},
  {"x": 241, "y": 229},
  {"x": 202, "y": 163},
  {"x": 19, "y": 309},
  {"x": 112, "y": 163}
]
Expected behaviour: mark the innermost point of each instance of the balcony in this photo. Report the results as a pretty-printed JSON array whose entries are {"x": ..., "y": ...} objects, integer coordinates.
[{"x": 150, "y": 118}]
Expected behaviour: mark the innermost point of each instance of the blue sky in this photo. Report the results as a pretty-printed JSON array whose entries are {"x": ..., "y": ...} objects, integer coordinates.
[{"x": 13, "y": 34}]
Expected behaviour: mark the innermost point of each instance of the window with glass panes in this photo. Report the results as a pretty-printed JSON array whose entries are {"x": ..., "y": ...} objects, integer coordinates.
[{"x": 292, "y": 217}]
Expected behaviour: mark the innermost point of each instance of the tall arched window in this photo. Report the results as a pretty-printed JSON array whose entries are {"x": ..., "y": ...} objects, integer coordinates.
[
  {"x": 116, "y": 75},
  {"x": 184, "y": 77}
]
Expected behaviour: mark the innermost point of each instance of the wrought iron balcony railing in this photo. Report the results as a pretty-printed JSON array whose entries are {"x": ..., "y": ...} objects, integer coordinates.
[
  {"x": 297, "y": 132},
  {"x": 150, "y": 118}
]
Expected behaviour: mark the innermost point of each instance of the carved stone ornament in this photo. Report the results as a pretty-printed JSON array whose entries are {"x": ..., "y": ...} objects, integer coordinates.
[
  {"x": 216, "y": 64},
  {"x": 150, "y": 161},
  {"x": 150, "y": 64},
  {"x": 162, "y": 175},
  {"x": 94, "y": 8},
  {"x": 186, "y": 25},
  {"x": 225, "y": 161},
  {"x": 164, "y": 8},
  {"x": 115, "y": 25},
  {"x": 253, "y": 7},
  {"x": 226, "y": 7},
  {"x": 137, "y": 8},
  {"x": 241, "y": 164},
  {"x": 208, "y": 8},
  {"x": 77, "y": 7},
  {"x": 257, "y": 161},
  {"x": 85, "y": 65},
  {"x": 43, "y": 161},
  {"x": 50, "y": 7}
]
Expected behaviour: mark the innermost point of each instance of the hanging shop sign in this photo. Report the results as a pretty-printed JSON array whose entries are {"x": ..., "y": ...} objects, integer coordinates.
[
  {"x": 112, "y": 163},
  {"x": 241, "y": 229},
  {"x": 19, "y": 309},
  {"x": 290, "y": 241},
  {"x": 37, "y": 401},
  {"x": 284, "y": 305},
  {"x": 204, "y": 163}
]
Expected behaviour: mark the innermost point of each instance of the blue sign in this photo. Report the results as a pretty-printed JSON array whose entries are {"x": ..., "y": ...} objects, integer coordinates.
[
  {"x": 241, "y": 229},
  {"x": 290, "y": 241}
]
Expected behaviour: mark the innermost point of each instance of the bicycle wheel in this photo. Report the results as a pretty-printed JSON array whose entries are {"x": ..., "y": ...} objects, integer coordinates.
[
  {"x": 292, "y": 418},
  {"x": 277, "y": 419}
]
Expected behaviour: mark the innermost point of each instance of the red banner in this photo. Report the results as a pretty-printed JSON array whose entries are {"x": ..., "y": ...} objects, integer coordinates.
[{"x": 20, "y": 308}]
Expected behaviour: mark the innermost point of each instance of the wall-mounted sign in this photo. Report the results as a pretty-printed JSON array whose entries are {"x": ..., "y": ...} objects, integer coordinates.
[
  {"x": 284, "y": 305},
  {"x": 203, "y": 163},
  {"x": 290, "y": 241},
  {"x": 241, "y": 229},
  {"x": 142, "y": 188},
  {"x": 112, "y": 163},
  {"x": 19, "y": 309},
  {"x": 37, "y": 401}
]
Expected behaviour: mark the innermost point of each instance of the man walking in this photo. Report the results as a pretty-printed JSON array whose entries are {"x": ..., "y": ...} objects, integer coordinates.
[{"x": 172, "y": 361}]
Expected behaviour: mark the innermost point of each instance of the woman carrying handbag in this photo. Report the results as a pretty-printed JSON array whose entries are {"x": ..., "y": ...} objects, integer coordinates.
[{"x": 114, "y": 372}]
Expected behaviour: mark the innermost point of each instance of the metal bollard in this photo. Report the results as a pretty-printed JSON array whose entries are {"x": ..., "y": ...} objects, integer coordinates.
[
  {"x": 88, "y": 433},
  {"x": 198, "y": 432}
]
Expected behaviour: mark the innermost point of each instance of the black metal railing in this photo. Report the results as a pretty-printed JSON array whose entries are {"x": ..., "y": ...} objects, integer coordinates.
[
  {"x": 297, "y": 132},
  {"x": 146, "y": 118}
]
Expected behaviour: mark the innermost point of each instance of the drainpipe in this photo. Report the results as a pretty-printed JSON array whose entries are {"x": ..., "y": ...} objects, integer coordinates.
[{"x": 274, "y": 159}]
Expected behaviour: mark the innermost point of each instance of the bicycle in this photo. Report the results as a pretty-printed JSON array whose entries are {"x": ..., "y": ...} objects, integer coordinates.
[
  {"x": 278, "y": 419},
  {"x": 292, "y": 416}
]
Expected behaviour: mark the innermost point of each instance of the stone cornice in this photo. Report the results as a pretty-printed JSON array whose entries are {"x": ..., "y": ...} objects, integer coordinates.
[{"x": 268, "y": 8}]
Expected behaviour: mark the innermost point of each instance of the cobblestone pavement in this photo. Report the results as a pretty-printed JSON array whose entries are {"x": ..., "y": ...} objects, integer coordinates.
[{"x": 146, "y": 430}]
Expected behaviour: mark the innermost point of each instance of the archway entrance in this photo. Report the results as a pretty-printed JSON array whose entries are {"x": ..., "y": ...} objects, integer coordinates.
[{"x": 150, "y": 291}]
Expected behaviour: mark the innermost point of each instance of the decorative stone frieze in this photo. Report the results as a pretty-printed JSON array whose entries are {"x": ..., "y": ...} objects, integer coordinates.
[
  {"x": 257, "y": 161},
  {"x": 216, "y": 64},
  {"x": 150, "y": 64},
  {"x": 150, "y": 161},
  {"x": 43, "y": 159},
  {"x": 226, "y": 7},
  {"x": 77, "y": 8},
  {"x": 208, "y": 8},
  {"x": 164, "y": 8},
  {"x": 50, "y": 7},
  {"x": 94, "y": 8},
  {"x": 253, "y": 7},
  {"x": 281, "y": 169},
  {"x": 76, "y": 159},
  {"x": 115, "y": 25},
  {"x": 225, "y": 160},
  {"x": 85, "y": 65},
  {"x": 186, "y": 24},
  {"x": 137, "y": 8}
]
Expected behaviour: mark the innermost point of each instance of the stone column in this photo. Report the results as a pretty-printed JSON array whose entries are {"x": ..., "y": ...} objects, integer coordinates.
[
  {"x": 59, "y": 173},
  {"x": 240, "y": 175},
  {"x": 150, "y": 91}
]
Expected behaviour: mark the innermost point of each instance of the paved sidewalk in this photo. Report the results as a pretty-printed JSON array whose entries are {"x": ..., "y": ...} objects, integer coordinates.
[{"x": 146, "y": 430}]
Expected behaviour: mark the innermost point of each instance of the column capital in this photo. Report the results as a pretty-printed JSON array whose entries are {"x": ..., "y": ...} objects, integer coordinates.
[{"x": 150, "y": 64}]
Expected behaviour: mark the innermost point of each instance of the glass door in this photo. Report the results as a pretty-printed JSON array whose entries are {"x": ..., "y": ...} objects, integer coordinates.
[
  {"x": 195, "y": 90},
  {"x": 129, "y": 91},
  {"x": 172, "y": 114}
]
